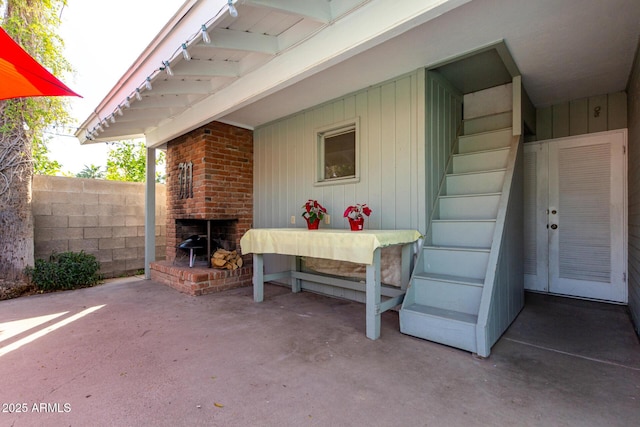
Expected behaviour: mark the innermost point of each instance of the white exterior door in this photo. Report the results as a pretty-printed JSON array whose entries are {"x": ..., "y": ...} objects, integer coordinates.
[{"x": 575, "y": 216}]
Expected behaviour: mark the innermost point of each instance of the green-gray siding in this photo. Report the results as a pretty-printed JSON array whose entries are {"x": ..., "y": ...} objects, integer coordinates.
[
  {"x": 444, "y": 117},
  {"x": 391, "y": 159},
  {"x": 581, "y": 116},
  {"x": 633, "y": 92}
]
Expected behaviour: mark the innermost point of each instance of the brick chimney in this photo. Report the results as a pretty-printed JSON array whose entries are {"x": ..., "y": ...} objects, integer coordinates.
[{"x": 209, "y": 183}]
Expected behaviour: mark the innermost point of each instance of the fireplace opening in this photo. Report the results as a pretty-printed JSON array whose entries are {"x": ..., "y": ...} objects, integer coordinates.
[{"x": 202, "y": 237}]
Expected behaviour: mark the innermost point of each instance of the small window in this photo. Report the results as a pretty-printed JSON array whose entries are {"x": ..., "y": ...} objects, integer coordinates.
[{"x": 337, "y": 152}]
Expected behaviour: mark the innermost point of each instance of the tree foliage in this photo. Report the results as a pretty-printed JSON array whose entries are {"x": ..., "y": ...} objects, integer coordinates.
[
  {"x": 127, "y": 160},
  {"x": 42, "y": 164},
  {"x": 91, "y": 171}
]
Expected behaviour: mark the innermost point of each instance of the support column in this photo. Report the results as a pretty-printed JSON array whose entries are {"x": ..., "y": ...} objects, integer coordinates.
[{"x": 150, "y": 212}]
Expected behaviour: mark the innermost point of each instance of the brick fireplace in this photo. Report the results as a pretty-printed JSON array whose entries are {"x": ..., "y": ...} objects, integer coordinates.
[{"x": 209, "y": 194}]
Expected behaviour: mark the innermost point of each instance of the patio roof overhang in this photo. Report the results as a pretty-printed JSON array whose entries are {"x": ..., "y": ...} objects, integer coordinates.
[{"x": 277, "y": 57}]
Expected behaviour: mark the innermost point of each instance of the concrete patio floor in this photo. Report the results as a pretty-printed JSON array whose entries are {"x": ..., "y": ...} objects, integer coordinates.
[{"x": 152, "y": 356}]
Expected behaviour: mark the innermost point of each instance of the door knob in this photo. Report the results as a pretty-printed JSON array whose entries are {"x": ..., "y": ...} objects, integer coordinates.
[
  {"x": 554, "y": 212},
  {"x": 554, "y": 226}
]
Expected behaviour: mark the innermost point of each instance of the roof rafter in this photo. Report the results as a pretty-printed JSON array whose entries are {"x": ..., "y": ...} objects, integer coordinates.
[
  {"x": 181, "y": 87},
  {"x": 207, "y": 68},
  {"x": 242, "y": 40}
]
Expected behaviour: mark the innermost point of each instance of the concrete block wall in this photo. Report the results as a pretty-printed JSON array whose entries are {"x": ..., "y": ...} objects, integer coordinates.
[{"x": 104, "y": 218}]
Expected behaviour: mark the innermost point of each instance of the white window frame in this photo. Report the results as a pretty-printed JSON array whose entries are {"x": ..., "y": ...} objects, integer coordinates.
[{"x": 332, "y": 130}]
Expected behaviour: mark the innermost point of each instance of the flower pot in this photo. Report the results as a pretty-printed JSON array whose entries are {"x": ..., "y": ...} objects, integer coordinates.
[
  {"x": 356, "y": 224},
  {"x": 313, "y": 225}
]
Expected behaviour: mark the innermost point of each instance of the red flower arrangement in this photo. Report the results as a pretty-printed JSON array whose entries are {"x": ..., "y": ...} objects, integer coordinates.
[
  {"x": 313, "y": 211},
  {"x": 356, "y": 211}
]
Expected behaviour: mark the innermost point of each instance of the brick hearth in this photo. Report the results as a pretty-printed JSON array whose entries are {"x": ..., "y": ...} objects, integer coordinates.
[
  {"x": 216, "y": 186},
  {"x": 200, "y": 279}
]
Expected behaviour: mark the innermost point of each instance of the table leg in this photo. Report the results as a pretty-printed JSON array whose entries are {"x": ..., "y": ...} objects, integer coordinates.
[
  {"x": 373, "y": 297},
  {"x": 295, "y": 266},
  {"x": 406, "y": 266},
  {"x": 258, "y": 278}
]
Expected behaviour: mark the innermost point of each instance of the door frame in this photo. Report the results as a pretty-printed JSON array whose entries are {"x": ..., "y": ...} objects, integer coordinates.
[{"x": 533, "y": 283}]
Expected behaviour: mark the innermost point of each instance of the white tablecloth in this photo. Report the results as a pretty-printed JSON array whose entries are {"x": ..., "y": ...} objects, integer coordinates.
[{"x": 341, "y": 245}]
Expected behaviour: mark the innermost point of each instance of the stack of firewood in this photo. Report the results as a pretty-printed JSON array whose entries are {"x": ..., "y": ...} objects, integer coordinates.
[{"x": 224, "y": 259}]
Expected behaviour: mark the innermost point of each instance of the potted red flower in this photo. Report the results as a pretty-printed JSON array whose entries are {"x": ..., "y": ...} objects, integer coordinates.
[
  {"x": 313, "y": 212},
  {"x": 355, "y": 215}
]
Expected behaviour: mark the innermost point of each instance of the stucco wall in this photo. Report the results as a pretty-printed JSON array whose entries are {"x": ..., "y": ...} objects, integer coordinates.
[
  {"x": 633, "y": 109},
  {"x": 105, "y": 218}
]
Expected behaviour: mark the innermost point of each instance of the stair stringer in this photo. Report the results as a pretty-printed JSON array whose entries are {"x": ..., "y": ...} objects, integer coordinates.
[
  {"x": 502, "y": 295},
  {"x": 503, "y": 291}
]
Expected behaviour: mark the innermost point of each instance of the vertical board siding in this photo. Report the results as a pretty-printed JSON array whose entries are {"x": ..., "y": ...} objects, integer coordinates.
[
  {"x": 372, "y": 147},
  {"x": 389, "y": 137},
  {"x": 403, "y": 188},
  {"x": 579, "y": 117},
  {"x": 586, "y": 115},
  {"x": 560, "y": 120},
  {"x": 634, "y": 191},
  {"x": 444, "y": 116}
]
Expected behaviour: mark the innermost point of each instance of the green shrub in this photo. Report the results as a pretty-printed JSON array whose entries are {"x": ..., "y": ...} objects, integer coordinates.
[{"x": 67, "y": 270}]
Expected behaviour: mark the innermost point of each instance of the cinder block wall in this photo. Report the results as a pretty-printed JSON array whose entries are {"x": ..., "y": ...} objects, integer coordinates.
[{"x": 105, "y": 218}]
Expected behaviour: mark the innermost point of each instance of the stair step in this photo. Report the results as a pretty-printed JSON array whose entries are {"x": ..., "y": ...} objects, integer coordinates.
[
  {"x": 447, "y": 327},
  {"x": 448, "y": 292},
  {"x": 455, "y": 261},
  {"x": 467, "y": 281},
  {"x": 487, "y": 123},
  {"x": 469, "y": 206},
  {"x": 485, "y": 141},
  {"x": 470, "y": 233},
  {"x": 480, "y": 160},
  {"x": 474, "y": 182}
]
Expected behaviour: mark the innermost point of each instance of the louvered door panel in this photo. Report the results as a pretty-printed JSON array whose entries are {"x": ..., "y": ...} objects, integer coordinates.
[
  {"x": 586, "y": 216},
  {"x": 584, "y": 195}
]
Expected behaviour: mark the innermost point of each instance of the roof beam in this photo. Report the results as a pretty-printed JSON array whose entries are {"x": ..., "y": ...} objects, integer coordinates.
[
  {"x": 242, "y": 40},
  {"x": 146, "y": 114},
  {"x": 207, "y": 68},
  {"x": 316, "y": 10},
  {"x": 181, "y": 87},
  {"x": 161, "y": 102}
]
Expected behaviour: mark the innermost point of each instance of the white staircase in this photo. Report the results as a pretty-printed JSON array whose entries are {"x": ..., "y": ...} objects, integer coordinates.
[{"x": 443, "y": 300}]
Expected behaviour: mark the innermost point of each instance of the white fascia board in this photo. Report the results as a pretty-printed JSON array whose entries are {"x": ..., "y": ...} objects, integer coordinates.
[
  {"x": 372, "y": 24},
  {"x": 181, "y": 28}
]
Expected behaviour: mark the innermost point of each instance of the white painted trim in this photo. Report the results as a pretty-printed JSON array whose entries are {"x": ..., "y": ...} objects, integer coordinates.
[
  {"x": 373, "y": 24},
  {"x": 150, "y": 212},
  {"x": 319, "y": 134}
]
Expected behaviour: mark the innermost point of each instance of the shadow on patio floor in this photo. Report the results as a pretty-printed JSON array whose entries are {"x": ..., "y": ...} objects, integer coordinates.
[{"x": 139, "y": 353}]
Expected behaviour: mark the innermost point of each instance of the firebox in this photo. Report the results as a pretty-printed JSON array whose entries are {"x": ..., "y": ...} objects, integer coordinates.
[{"x": 213, "y": 234}]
